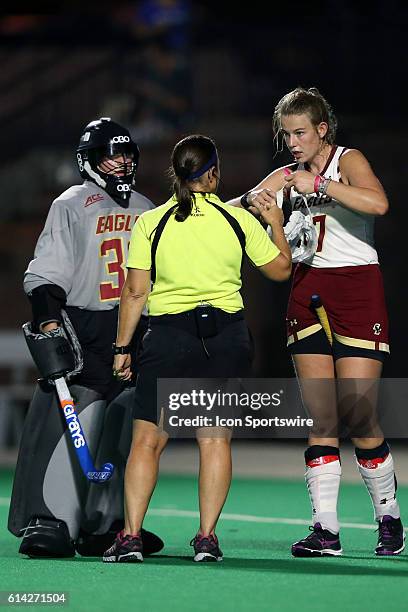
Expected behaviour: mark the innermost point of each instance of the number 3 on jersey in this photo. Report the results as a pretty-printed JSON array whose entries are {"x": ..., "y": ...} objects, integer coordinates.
[
  {"x": 115, "y": 267},
  {"x": 320, "y": 222}
]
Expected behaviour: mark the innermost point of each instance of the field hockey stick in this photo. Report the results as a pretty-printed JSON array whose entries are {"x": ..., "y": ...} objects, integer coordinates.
[
  {"x": 322, "y": 316},
  {"x": 78, "y": 436}
]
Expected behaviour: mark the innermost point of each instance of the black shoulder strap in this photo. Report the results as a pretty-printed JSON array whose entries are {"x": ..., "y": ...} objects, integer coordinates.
[
  {"x": 233, "y": 223},
  {"x": 158, "y": 232},
  {"x": 161, "y": 225}
]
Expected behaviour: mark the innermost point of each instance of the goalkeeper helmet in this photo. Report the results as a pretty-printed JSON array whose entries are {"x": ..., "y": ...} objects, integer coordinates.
[{"x": 104, "y": 140}]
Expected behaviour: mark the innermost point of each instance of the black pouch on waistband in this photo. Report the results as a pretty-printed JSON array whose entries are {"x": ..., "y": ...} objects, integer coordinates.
[{"x": 206, "y": 321}]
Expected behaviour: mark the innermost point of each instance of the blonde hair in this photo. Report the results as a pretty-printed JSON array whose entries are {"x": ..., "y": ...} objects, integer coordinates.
[{"x": 309, "y": 102}]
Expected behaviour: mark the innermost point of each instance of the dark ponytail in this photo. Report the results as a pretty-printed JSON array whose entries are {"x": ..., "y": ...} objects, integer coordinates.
[
  {"x": 184, "y": 198},
  {"x": 191, "y": 158}
]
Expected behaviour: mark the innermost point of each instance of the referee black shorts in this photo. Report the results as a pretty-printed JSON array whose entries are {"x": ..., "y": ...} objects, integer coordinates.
[{"x": 171, "y": 348}]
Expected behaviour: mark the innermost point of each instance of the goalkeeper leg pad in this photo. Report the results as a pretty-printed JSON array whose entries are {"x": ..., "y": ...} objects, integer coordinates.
[{"x": 48, "y": 481}]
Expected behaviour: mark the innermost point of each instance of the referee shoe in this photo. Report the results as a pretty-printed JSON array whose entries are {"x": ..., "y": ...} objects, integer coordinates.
[
  {"x": 206, "y": 548},
  {"x": 94, "y": 545},
  {"x": 320, "y": 543},
  {"x": 125, "y": 549}
]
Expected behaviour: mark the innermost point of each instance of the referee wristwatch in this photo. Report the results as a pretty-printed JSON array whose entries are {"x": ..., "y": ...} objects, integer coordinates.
[{"x": 120, "y": 350}]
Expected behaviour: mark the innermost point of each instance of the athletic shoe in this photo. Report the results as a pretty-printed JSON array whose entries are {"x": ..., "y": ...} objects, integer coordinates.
[
  {"x": 206, "y": 548},
  {"x": 391, "y": 537},
  {"x": 90, "y": 545},
  {"x": 125, "y": 549},
  {"x": 320, "y": 543},
  {"x": 46, "y": 537}
]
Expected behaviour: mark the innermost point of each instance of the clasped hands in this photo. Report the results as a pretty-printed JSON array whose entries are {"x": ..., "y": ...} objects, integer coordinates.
[
  {"x": 122, "y": 367},
  {"x": 262, "y": 202}
]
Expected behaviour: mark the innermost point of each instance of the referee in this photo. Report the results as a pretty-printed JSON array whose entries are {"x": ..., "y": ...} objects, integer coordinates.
[{"x": 190, "y": 251}]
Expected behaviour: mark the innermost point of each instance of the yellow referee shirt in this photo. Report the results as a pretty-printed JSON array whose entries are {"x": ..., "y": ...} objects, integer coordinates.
[{"x": 198, "y": 260}]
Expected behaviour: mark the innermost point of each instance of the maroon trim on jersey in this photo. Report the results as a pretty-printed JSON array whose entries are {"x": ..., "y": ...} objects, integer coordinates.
[
  {"x": 327, "y": 164},
  {"x": 345, "y": 149}
]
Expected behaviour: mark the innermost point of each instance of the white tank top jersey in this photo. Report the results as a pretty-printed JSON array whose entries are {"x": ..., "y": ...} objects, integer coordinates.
[{"x": 345, "y": 237}]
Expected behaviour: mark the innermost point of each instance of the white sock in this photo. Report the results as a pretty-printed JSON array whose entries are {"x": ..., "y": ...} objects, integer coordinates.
[
  {"x": 323, "y": 483},
  {"x": 380, "y": 482}
]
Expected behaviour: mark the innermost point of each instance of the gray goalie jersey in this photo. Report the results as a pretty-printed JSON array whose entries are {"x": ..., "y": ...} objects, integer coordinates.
[{"x": 84, "y": 245}]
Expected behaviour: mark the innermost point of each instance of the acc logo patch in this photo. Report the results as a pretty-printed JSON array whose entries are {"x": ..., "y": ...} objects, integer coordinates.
[{"x": 95, "y": 197}]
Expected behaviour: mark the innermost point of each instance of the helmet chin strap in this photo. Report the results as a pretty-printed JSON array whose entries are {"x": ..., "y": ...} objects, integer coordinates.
[
  {"x": 96, "y": 177},
  {"x": 123, "y": 200}
]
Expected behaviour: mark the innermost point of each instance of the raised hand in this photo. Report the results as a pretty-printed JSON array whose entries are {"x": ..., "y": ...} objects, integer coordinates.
[{"x": 301, "y": 180}]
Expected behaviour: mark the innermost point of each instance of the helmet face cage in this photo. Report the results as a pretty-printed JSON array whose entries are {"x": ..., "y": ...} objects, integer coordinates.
[
  {"x": 106, "y": 139},
  {"x": 124, "y": 163}
]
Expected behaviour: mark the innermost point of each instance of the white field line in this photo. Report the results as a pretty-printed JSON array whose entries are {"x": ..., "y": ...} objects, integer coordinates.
[
  {"x": 227, "y": 516},
  {"x": 249, "y": 518}
]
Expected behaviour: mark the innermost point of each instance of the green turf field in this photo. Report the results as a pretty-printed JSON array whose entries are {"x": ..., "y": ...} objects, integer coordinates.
[{"x": 261, "y": 520}]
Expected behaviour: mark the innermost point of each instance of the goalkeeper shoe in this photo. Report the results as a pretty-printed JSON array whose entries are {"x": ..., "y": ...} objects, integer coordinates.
[
  {"x": 391, "y": 537},
  {"x": 125, "y": 549},
  {"x": 45, "y": 537},
  {"x": 206, "y": 548},
  {"x": 320, "y": 543}
]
